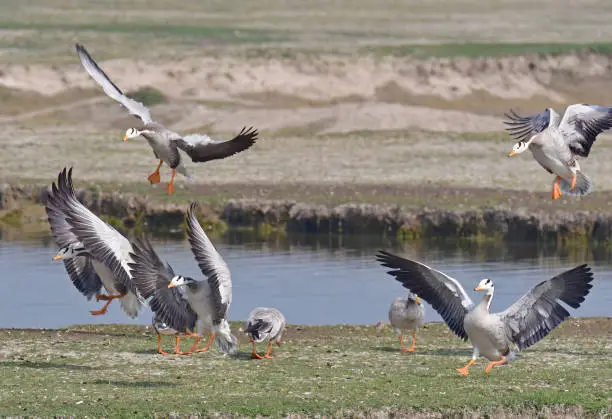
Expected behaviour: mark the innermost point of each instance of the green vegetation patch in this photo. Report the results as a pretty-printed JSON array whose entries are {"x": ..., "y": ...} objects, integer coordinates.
[{"x": 114, "y": 371}]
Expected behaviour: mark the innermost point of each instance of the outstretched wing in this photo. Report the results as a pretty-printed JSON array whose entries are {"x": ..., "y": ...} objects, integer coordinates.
[
  {"x": 79, "y": 268},
  {"x": 202, "y": 148},
  {"x": 211, "y": 264},
  {"x": 102, "y": 242},
  {"x": 536, "y": 313},
  {"x": 523, "y": 127},
  {"x": 444, "y": 293},
  {"x": 581, "y": 124},
  {"x": 152, "y": 277},
  {"x": 134, "y": 107}
]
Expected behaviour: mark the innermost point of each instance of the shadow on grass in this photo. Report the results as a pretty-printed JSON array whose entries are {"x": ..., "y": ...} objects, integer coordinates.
[
  {"x": 135, "y": 384},
  {"x": 417, "y": 351},
  {"x": 45, "y": 365}
]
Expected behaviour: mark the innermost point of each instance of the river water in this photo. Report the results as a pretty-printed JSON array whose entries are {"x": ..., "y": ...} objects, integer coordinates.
[{"x": 312, "y": 280}]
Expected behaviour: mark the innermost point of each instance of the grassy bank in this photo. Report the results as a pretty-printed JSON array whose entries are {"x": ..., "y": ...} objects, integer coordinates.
[{"x": 114, "y": 371}]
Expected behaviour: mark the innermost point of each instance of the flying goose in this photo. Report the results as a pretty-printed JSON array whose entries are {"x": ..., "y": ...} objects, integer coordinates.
[
  {"x": 521, "y": 325},
  {"x": 555, "y": 142},
  {"x": 264, "y": 323},
  {"x": 94, "y": 253},
  {"x": 165, "y": 143},
  {"x": 204, "y": 304},
  {"x": 407, "y": 313}
]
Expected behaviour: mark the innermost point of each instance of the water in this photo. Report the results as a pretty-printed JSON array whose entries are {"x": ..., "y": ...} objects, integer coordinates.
[{"x": 312, "y": 280}]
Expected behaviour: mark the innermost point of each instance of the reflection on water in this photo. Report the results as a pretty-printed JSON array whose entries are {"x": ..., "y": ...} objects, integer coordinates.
[{"x": 312, "y": 279}]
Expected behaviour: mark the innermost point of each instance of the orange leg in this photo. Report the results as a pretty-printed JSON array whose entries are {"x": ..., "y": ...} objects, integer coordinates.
[
  {"x": 170, "y": 187},
  {"x": 278, "y": 343},
  {"x": 190, "y": 351},
  {"x": 267, "y": 355},
  {"x": 109, "y": 299},
  {"x": 159, "y": 349},
  {"x": 154, "y": 177},
  {"x": 574, "y": 178},
  {"x": 207, "y": 347},
  {"x": 494, "y": 363},
  {"x": 254, "y": 354},
  {"x": 465, "y": 370},
  {"x": 404, "y": 349},
  {"x": 556, "y": 191}
]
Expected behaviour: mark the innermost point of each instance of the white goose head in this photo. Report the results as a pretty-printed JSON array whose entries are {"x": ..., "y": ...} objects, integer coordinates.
[
  {"x": 69, "y": 252},
  {"x": 180, "y": 280},
  {"x": 131, "y": 133},
  {"x": 520, "y": 147}
]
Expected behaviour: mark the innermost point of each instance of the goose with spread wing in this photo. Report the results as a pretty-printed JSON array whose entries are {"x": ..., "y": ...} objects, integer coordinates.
[
  {"x": 556, "y": 142},
  {"x": 204, "y": 304},
  {"x": 493, "y": 335},
  {"x": 264, "y": 323},
  {"x": 94, "y": 253},
  {"x": 166, "y": 143}
]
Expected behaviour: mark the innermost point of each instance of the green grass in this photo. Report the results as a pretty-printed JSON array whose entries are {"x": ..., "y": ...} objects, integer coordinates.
[{"x": 114, "y": 371}]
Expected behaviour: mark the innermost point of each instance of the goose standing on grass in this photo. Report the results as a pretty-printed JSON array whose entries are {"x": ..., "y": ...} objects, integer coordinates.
[
  {"x": 204, "y": 304},
  {"x": 521, "y": 325},
  {"x": 94, "y": 253},
  {"x": 165, "y": 143},
  {"x": 555, "y": 142},
  {"x": 264, "y": 323},
  {"x": 407, "y": 313}
]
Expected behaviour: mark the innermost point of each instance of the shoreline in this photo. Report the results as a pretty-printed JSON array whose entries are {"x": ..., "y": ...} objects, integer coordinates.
[{"x": 20, "y": 208}]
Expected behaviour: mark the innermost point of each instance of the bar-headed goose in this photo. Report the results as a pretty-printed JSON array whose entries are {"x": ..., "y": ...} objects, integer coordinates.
[
  {"x": 94, "y": 253},
  {"x": 521, "y": 325},
  {"x": 264, "y": 323},
  {"x": 407, "y": 313},
  {"x": 555, "y": 142},
  {"x": 204, "y": 304},
  {"x": 165, "y": 143}
]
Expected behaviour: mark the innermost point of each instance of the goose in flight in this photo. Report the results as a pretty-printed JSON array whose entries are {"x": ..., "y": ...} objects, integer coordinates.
[
  {"x": 556, "y": 141},
  {"x": 183, "y": 303},
  {"x": 493, "y": 335},
  {"x": 94, "y": 253},
  {"x": 407, "y": 313},
  {"x": 264, "y": 323},
  {"x": 165, "y": 143}
]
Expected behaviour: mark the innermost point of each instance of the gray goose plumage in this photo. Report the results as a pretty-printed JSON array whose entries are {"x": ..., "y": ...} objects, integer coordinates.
[
  {"x": 264, "y": 323},
  {"x": 94, "y": 253},
  {"x": 166, "y": 143},
  {"x": 184, "y": 303},
  {"x": 407, "y": 313},
  {"x": 521, "y": 325},
  {"x": 556, "y": 141}
]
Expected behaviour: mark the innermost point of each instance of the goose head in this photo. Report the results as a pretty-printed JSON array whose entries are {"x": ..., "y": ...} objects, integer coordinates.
[
  {"x": 69, "y": 252},
  {"x": 180, "y": 280},
  {"x": 520, "y": 147},
  {"x": 485, "y": 285},
  {"x": 413, "y": 297},
  {"x": 131, "y": 133}
]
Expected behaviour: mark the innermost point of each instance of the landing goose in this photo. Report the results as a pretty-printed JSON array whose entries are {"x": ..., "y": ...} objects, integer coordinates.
[
  {"x": 165, "y": 143},
  {"x": 521, "y": 325},
  {"x": 94, "y": 253},
  {"x": 407, "y": 313},
  {"x": 204, "y": 304},
  {"x": 555, "y": 142},
  {"x": 264, "y": 323}
]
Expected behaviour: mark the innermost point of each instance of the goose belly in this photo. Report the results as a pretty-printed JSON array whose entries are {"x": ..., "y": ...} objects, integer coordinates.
[
  {"x": 201, "y": 303},
  {"x": 485, "y": 334},
  {"x": 541, "y": 154},
  {"x": 106, "y": 277}
]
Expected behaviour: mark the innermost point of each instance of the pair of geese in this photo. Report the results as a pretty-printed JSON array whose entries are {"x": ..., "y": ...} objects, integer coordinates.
[
  {"x": 494, "y": 335},
  {"x": 97, "y": 256},
  {"x": 554, "y": 141},
  {"x": 166, "y": 143}
]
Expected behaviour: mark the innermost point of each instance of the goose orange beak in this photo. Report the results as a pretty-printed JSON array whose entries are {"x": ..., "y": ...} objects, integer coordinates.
[
  {"x": 125, "y": 138},
  {"x": 512, "y": 153},
  {"x": 57, "y": 257},
  {"x": 478, "y": 288},
  {"x": 170, "y": 285},
  {"x": 418, "y": 300}
]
